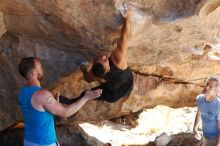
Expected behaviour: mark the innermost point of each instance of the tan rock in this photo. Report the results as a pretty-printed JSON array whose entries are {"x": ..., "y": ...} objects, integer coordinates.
[
  {"x": 176, "y": 139},
  {"x": 167, "y": 50},
  {"x": 2, "y": 25},
  {"x": 71, "y": 23}
]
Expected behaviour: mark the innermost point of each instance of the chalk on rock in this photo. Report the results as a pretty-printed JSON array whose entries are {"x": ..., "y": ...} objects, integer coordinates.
[{"x": 124, "y": 9}]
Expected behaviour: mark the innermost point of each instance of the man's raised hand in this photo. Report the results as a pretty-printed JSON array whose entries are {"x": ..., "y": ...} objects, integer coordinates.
[
  {"x": 126, "y": 11},
  {"x": 90, "y": 95}
]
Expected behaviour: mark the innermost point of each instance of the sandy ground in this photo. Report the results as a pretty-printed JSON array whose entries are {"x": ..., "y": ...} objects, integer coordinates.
[{"x": 151, "y": 124}]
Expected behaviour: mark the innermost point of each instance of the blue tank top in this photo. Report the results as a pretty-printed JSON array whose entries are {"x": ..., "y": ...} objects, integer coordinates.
[
  {"x": 38, "y": 126},
  {"x": 210, "y": 114}
]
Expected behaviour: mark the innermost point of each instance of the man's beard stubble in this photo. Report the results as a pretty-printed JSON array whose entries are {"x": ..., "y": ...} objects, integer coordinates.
[{"x": 40, "y": 77}]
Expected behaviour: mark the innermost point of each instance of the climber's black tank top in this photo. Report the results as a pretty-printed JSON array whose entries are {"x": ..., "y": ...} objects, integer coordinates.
[{"x": 119, "y": 83}]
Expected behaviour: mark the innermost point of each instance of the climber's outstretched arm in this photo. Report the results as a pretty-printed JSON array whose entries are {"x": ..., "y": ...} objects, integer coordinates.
[{"x": 119, "y": 55}]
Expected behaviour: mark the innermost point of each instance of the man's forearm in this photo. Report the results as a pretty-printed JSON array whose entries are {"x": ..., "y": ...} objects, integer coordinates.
[
  {"x": 197, "y": 121},
  {"x": 87, "y": 76},
  {"x": 122, "y": 42},
  {"x": 74, "y": 107},
  {"x": 126, "y": 28}
]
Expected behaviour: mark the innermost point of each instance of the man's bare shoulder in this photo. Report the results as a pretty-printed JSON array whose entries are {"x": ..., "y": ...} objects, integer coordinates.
[
  {"x": 43, "y": 92},
  {"x": 41, "y": 95},
  {"x": 119, "y": 63}
]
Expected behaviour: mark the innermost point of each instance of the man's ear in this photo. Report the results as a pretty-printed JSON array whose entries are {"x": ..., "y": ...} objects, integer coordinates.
[{"x": 34, "y": 73}]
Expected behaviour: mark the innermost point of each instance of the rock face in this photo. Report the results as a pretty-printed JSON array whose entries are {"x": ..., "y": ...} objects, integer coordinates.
[
  {"x": 182, "y": 139},
  {"x": 167, "y": 50},
  {"x": 2, "y": 25}
]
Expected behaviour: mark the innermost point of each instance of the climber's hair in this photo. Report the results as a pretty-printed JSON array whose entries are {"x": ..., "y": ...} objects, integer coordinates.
[
  {"x": 98, "y": 70},
  {"x": 26, "y": 64},
  {"x": 216, "y": 79}
]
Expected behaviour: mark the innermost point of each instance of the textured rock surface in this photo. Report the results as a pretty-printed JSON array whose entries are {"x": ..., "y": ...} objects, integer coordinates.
[
  {"x": 182, "y": 139},
  {"x": 2, "y": 25},
  {"x": 166, "y": 49}
]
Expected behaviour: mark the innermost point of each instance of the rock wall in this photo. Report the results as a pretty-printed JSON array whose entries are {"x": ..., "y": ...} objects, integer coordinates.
[
  {"x": 172, "y": 49},
  {"x": 2, "y": 25}
]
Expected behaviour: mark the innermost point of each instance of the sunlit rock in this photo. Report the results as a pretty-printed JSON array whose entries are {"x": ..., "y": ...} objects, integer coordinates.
[{"x": 172, "y": 49}]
